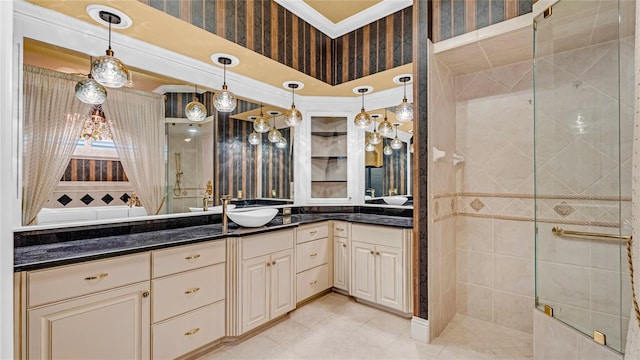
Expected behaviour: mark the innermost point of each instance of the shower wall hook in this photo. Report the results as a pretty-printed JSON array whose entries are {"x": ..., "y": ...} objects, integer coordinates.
[
  {"x": 457, "y": 159},
  {"x": 438, "y": 154}
]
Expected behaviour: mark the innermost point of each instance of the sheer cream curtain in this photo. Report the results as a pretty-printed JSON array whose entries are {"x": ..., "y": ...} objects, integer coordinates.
[
  {"x": 53, "y": 120},
  {"x": 136, "y": 119}
]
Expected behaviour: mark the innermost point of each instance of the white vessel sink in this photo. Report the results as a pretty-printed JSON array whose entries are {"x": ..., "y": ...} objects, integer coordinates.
[
  {"x": 252, "y": 218},
  {"x": 395, "y": 200},
  {"x": 212, "y": 209}
]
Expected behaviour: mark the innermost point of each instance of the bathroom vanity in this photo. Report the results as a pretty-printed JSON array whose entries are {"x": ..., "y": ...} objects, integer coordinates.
[{"x": 177, "y": 292}]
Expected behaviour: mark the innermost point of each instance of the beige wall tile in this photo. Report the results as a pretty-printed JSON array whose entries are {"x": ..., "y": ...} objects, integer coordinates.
[
  {"x": 514, "y": 238},
  {"x": 514, "y": 274},
  {"x": 475, "y": 301},
  {"x": 513, "y": 311},
  {"x": 475, "y": 268},
  {"x": 552, "y": 339}
]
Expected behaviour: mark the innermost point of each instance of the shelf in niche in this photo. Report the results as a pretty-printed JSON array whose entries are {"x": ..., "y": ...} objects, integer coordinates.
[{"x": 328, "y": 133}]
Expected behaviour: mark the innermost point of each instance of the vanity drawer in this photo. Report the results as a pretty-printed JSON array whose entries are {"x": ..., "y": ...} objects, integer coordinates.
[
  {"x": 267, "y": 243},
  {"x": 312, "y": 254},
  {"x": 312, "y": 232},
  {"x": 188, "y": 332},
  {"x": 378, "y": 235},
  {"x": 65, "y": 282},
  {"x": 341, "y": 229},
  {"x": 183, "y": 258},
  {"x": 311, "y": 282},
  {"x": 180, "y": 293}
]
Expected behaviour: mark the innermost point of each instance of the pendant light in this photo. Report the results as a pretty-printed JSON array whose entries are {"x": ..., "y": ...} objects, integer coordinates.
[
  {"x": 261, "y": 124},
  {"x": 362, "y": 120},
  {"x": 385, "y": 128},
  {"x": 404, "y": 111},
  {"x": 293, "y": 116},
  {"x": 254, "y": 138},
  {"x": 375, "y": 138},
  {"x": 89, "y": 91},
  {"x": 281, "y": 143},
  {"x": 194, "y": 110},
  {"x": 369, "y": 147},
  {"x": 225, "y": 100},
  {"x": 396, "y": 144},
  {"x": 387, "y": 150},
  {"x": 107, "y": 69},
  {"x": 274, "y": 134}
]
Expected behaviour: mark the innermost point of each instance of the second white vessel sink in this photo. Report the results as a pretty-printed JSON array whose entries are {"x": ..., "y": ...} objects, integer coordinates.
[
  {"x": 252, "y": 218},
  {"x": 395, "y": 200}
]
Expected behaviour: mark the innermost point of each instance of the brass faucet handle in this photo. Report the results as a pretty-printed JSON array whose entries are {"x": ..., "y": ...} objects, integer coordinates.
[{"x": 226, "y": 197}]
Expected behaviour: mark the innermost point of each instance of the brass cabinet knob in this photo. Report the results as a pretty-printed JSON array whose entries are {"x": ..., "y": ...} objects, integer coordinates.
[
  {"x": 313, "y": 282},
  {"x": 96, "y": 277},
  {"x": 344, "y": 245},
  {"x": 145, "y": 294},
  {"x": 339, "y": 229},
  {"x": 192, "y": 291},
  {"x": 273, "y": 262},
  {"x": 191, "y": 332},
  {"x": 377, "y": 252},
  {"x": 313, "y": 255},
  {"x": 192, "y": 257},
  {"x": 268, "y": 263},
  {"x": 373, "y": 252},
  {"x": 313, "y": 232}
]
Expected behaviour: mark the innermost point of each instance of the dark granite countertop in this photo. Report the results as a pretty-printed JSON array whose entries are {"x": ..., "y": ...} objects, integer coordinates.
[{"x": 40, "y": 256}]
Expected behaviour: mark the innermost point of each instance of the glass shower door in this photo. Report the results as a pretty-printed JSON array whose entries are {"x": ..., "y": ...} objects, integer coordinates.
[{"x": 583, "y": 91}]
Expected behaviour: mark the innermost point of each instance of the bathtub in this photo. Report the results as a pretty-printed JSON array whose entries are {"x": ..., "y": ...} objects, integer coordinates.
[{"x": 75, "y": 214}]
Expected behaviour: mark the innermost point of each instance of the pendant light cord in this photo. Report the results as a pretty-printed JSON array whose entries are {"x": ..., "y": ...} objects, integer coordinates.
[
  {"x": 224, "y": 73},
  {"x": 405, "y": 89},
  {"x": 293, "y": 96},
  {"x": 110, "y": 32}
]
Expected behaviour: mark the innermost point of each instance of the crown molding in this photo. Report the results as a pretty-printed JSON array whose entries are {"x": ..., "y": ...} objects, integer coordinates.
[{"x": 320, "y": 22}]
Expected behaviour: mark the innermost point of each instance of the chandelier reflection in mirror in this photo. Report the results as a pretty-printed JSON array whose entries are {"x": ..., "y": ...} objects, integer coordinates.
[
  {"x": 396, "y": 143},
  {"x": 225, "y": 100},
  {"x": 255, "y": 138},
  {"x": 89, "y": 91},
  {"x": 109, "y": 70},
  {"x": 293, "y": 116},
  {"x": 96, "y": 126},
  {"x": 404, "y": 111},
  {"x": 385, "y": 128},
  {"x": 194, "y": 110},
  {"x": 375, "y": 138},
  {"x": 362, "y": 120}
]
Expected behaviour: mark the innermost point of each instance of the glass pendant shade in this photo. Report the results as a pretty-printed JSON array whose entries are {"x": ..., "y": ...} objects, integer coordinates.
[
  {"x": 362, "y": 120},
  {"x": 370, "y": 147},
  {"x": 225, "y": 101},
  {"x": 195, "y": 111},
  {"x": 396, "y": 143},
  {"x": 274, "y": 135},
  {"x": 404, "y": 111},
  {"x": 109, "y": 71},
  {"x": 385, "y": 128},
  {"x": 90, "y": 91},
  {"x": 281, "y": 143},
  {"x": 293, "y": 116},
  {"x": 387, "y": 150},
  {"x": 254, "y": 138},
  {"x": 375, "y": 138},
  {"x": 260, "y": 124}
]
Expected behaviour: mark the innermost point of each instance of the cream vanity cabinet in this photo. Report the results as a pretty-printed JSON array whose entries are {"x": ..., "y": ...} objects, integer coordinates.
[
  {"x": 313, "y": 259},
  {"x": 267, "y": 278},
  {"x": 341, "y": 255},
  {"x": 380, "y": 262},
  {"x": 188, "y": 304},
  {"x": 97, "y": 309}
]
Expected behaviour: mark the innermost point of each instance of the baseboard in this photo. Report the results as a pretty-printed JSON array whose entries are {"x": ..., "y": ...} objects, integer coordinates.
[{"x": 420, "y": 329}]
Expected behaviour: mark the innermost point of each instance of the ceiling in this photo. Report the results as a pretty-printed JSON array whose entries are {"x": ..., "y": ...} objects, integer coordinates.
[
  {"x": 183, "y": 38},
  {"x": 339, "y": 10}
]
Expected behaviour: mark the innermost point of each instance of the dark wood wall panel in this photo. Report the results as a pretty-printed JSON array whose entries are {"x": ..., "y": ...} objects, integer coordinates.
[
  {"x": 276, "y": 171},
  {"x": 455, "y": 17},
  {"x": 395, "y": 170},
  {"x": 94, "y": 170}
]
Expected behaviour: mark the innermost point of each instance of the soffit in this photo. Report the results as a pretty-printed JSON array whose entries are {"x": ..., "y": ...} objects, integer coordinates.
[
  {"x": 338, "y": 10},
  {"x": 163, "y": 30}
]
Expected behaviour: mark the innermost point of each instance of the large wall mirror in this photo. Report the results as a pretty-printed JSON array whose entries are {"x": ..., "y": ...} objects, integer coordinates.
[
  {"x": 388, "y": 160},
  {"x": 202, "y": 160}
]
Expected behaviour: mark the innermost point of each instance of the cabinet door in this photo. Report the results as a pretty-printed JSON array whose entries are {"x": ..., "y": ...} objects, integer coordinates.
[
  {"x": 340, "y": 264},
  {"x": 255, "y": 292},
  {"x": 389, "y": 284},
  {"x": 109, "y": 325},
  {"x": 363, "y": 271},
  {"x": 282, "y": 278}
]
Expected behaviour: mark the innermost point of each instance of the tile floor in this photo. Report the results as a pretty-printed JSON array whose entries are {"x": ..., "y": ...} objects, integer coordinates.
[{"x": 336, "y": 327}]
